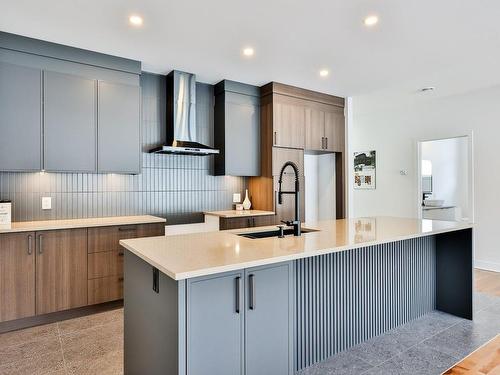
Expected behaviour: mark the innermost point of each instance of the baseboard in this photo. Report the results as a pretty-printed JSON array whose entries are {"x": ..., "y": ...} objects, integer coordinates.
[
  {"x": 32, "y": 321},
  {"x": 488, "y": 266}
]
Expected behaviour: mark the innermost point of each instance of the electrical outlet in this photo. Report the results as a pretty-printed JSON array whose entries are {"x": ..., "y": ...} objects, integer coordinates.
[
  {"x": 236, "y": 198},
  {"x": 46, "y": 203}
]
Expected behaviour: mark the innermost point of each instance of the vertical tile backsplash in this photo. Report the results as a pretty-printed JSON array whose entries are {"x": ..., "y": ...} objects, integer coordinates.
[{"x": 169, "y": 185}]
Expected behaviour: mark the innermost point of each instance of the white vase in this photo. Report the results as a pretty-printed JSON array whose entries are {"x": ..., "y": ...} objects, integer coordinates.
[{"x": 246, "y": 203}]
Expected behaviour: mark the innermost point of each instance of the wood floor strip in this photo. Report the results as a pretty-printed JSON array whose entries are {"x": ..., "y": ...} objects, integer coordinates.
[{"x": 483, "y": 361}]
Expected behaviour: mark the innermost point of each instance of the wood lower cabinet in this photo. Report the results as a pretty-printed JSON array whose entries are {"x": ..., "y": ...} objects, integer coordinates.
[
  {"x": 226, "y": 223},
  {"x": 61, "y": 270},
  {"x": 17, "y": 275},
  {"x": 105, "y": 289},
  {"x": 105, "y": 258},
  {"x": 48, "y": 271}
]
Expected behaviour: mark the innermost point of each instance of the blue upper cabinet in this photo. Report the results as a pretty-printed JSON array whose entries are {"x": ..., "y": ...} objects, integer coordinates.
[
  {"x": 237, "y": 129},
  {"x": 69, "y": 124},
  {"x": 20, "y": 118},
  {"x": 119, "y": 149},
  {"x": 64, "y": 109}
]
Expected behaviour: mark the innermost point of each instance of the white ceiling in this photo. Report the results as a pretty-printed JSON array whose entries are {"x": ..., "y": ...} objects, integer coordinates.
[{"x": 451, "y": 44}]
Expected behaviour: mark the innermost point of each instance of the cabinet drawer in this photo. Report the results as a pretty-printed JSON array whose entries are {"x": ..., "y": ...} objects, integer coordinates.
[
  {"x": 107, "y": 238},
  {"x": 246, "y": 222},
  {"x": 105, "y": 263},
  {"x": 261, "y": 221},
  {"x": 105, "y": 289}
]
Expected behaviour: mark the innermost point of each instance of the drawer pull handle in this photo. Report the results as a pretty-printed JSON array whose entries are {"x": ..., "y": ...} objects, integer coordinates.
[
  {"x": 120, "y": 254},
  {"x": 120, "y": 279},
  {"x": 252, "y": 292},
  {"x": 30, "y": 244},
  {"x": 127, "y": 229},
  {"x": 238, "y": 297},
  {"x": 40, "y": 244}
]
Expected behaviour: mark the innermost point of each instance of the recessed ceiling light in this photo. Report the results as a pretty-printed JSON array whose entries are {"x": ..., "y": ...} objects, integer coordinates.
[
  {"x": 324, "y": 72},
  {"x": 371, "y": 20},
  {"x": 248, "y": 51},
  {"x": 135, "y": 20}
]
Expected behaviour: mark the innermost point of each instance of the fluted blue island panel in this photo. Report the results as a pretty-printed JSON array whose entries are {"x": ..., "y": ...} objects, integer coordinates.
[{"x": 349, "y": 297}]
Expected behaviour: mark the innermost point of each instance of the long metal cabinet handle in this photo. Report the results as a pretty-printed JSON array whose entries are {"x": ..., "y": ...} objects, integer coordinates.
[
  {"x": 326, "y": 139},
  {"x": 126, "y": 229},
  {"x": 156, "y": 280},
  {"x": 251, "y": 287},
  {"x": 40, "y": 242},
  {"x": 238, "y": 296},
  {"x": 275, "y": 138},
  {"x": 30, "y": 244},
  {"x": 322, "y": 142}
]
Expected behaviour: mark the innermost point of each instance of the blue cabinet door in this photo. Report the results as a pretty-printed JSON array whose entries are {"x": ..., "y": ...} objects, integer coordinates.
[
  {"x": 119, "y": 134},
  {"x": 215, "y": 310},
  {"x": 70, "y": 126},
  {"x": 269, "y": 320},
  {"x": 20, "y": 118}
]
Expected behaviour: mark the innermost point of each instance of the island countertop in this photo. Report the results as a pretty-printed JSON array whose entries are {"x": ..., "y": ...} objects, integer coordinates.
[{"x": 192, "y": 255}]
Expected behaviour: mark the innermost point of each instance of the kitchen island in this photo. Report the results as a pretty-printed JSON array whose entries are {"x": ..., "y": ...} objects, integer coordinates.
[{"x": 221, "y": 303}]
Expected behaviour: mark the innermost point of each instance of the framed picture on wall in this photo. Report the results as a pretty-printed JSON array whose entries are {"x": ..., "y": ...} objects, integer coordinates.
[{"x": 365, "y": 170}]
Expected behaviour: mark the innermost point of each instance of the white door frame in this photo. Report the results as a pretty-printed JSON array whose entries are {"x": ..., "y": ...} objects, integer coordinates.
[{"x": 470, "y": 138}]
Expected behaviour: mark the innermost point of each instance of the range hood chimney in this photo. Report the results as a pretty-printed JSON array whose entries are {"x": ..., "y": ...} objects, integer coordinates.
[{"x": 181, "y": 117}]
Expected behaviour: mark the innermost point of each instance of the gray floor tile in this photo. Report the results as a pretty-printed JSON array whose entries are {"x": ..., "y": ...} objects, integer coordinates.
[
  {"x": 345, "y": 363},
  {"x": 461, "y": 339},
  {"x": 419, "y": 360},
  {"x": 379, "y": 349}
]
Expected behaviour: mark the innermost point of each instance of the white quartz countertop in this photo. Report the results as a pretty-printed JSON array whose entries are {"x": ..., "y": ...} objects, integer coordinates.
[
  {"x": 191, "y": 255},
  {"x": 29, "y": 226},
  {"x": 243, "y": 213}
]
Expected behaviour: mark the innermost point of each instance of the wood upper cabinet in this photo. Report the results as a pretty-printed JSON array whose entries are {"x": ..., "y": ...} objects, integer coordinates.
[
  {"x": 334, "y": 130},
  {"x": 70, "y": 125},
  {"x": 61, "y": 270},
  {"x": 315, "y": 129},
  {"x": 17, "y": 275},
  {"x": 325, "y": 128},
  {"x": 20, "y": 118},
  {"x": 289, "y": 119}
]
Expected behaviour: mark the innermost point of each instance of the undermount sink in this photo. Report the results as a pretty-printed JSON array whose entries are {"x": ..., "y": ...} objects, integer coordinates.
[{"x": 273, "y": 233}]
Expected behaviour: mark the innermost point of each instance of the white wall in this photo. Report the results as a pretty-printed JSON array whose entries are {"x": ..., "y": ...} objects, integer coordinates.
[
  {"x": 449, "y": 159},
  {"x": 319, "y": 172},
  {"x": 393, "y": 124}
]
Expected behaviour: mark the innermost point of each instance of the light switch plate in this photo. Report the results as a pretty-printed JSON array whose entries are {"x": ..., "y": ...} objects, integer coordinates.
[
  {"x": 46, "y": 203},
  {"x": 236, "y": 198}
]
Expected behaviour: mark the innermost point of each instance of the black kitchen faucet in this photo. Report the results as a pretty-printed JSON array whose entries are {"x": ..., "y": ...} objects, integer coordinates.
[{"x": 295, "y": 223}]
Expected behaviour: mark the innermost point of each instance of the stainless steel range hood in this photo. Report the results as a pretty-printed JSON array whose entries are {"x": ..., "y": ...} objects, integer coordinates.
[{"x": 181, "y": 117}]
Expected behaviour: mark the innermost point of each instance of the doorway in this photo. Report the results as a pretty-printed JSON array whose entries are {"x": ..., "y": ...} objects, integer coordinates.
[{"x": 445, "y": 179}]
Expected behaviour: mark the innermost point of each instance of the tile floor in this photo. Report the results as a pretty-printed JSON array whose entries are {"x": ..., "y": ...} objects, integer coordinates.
[{"x": 428, "y": 345}]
